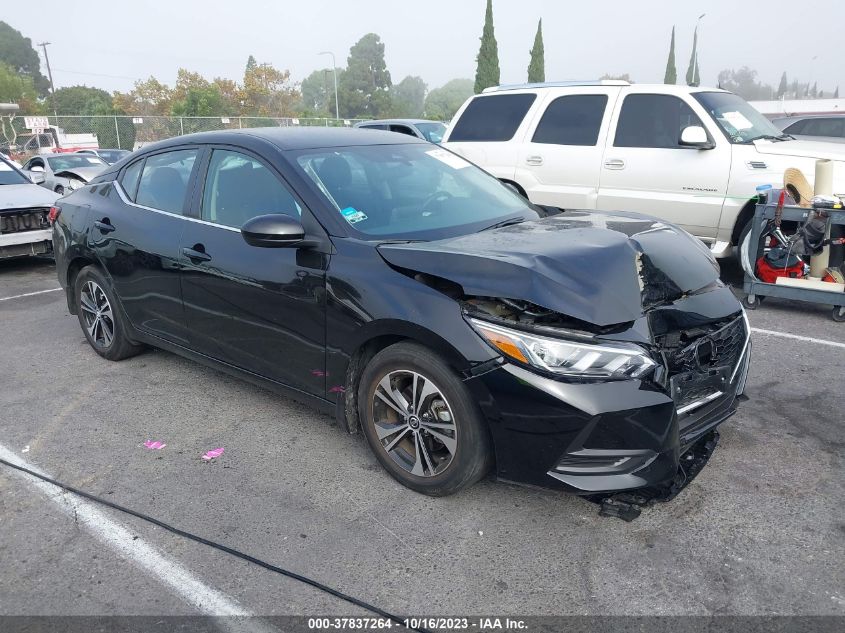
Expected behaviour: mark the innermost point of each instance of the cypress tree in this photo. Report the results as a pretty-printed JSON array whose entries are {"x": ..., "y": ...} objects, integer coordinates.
[
  {"x": 487, "y": 73},
  {"x": 783, "y": 86},
  {"x": 671, "y": 75},
  {"x": 836, "y": 94},
  {"x": 692, "y": 59},
  {"x": 696, "y": 78},
  {"x": 537, "y": 65}
]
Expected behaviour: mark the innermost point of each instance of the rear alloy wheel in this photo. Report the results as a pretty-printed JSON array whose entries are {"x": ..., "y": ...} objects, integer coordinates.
[
  {"x": 421, "y": 421},
  {"x": 100, "y": 318}
]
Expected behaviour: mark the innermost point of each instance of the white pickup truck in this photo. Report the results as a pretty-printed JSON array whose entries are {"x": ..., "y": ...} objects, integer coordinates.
[{"x": 692, "y": 156}]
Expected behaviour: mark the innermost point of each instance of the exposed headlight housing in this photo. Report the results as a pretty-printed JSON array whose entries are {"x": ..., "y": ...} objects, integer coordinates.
[
  {"x": 74, "y": 184},
  {"x": 608, "y": 361}
]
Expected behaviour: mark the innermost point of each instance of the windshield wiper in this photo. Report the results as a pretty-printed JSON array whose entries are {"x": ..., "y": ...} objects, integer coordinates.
[
  {"x": 771, "y": 137},
  {"x": 508, "y": 222}
]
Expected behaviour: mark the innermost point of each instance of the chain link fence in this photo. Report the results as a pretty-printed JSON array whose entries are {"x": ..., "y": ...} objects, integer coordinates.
[{"x": 126, "y": 132}]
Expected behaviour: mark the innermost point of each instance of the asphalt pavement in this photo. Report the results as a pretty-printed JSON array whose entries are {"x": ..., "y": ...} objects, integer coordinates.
[{"x": 760, "y": 531}]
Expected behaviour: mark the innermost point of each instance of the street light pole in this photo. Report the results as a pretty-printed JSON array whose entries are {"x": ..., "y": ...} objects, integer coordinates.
[
  {"x": 44, "y": 46},
  {"x": 334, "y": 70}
]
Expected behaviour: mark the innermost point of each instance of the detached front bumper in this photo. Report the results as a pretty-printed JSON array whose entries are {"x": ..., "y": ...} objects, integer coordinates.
[
  {"x": 597, "y": 437},
  {"x": 37, "y": 242}
]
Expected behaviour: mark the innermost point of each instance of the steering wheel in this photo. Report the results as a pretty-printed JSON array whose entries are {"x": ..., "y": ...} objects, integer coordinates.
[{"x": 439, "y": 197}]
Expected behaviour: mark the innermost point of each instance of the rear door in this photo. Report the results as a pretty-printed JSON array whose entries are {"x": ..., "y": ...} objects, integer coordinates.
[
  {"x": 135, "y": 235},
  {"x": 559, "y": 162},
  {"x": 646, "y": 169},
  {"x": 259, "y": 309}
]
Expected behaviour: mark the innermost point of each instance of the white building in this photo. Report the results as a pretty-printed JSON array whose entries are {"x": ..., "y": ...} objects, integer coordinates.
[{"x": 797, "y": 107}]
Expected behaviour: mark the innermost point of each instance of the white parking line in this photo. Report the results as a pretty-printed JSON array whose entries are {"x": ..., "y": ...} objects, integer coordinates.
[
  {"x": 202, "y": 597},
  {"x": 29, "y": 294},
  {"x": 806, "y": 339}
]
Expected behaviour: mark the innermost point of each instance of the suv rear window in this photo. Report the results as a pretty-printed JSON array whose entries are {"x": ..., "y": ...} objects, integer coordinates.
[
  {"x": 572, "y": 120},
  {"x": 492, "y": 118}
]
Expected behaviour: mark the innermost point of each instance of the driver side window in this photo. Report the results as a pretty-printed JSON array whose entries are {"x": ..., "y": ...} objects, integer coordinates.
[
  {"x": 239, "y": 188},
  {"x": 654, "y": 121}
]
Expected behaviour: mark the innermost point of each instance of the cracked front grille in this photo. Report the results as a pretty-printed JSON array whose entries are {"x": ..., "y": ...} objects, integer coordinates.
[
  {"x": 720, "y": 348},
  {"x": 22, "y": 220}
]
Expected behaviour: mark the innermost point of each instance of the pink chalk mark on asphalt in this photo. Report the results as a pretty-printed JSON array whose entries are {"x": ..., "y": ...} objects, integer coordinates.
[
  {"x": 215, "y": 452},
  {"x": 319, "y": 373},
  {"x": 154, "y": 445},
  {"x": 337, "y": 389}
]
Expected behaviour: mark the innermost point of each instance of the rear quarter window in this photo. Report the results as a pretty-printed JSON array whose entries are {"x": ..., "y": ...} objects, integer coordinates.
[
  {"x": 129, "y": 179},
  {"x": 492, "y": 117}
]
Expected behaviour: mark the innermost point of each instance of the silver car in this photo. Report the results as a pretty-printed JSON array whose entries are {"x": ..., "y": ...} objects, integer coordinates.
[
  {"x": 24, "y": 214},
  {"x": 814, "y": 127},
  {"x": 431, "y": 131},
  {"x": 63, "y": 173}
]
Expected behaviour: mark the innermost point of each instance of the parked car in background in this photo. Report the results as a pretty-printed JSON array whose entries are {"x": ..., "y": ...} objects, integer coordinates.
[
  {"x": 109, "y": 156},
  {"x": 692, "y": 156},
  {"x": 815, "y": 127},
  {"x": 431, "y": 131},
  {"x": 54, "y": 140},
  {"x": 395, "y": 284},
  {"x": 24, "y": 214},
  {"x": 63, "y": 172}
]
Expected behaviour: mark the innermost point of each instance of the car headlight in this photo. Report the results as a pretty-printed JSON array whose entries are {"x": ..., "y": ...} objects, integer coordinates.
[{"x": 568, "y": 358}]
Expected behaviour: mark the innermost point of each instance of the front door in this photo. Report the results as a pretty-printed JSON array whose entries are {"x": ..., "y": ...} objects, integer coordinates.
[
  {"x": 136, "y": 238},
  {"x": 259, "y": 309},
  {"x": 646, "y": 169}
]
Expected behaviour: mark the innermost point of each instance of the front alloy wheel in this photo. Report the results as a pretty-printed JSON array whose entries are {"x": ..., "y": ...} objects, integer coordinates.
[
  {"x": 414, "y": 423},
  {"x": 421, "y": 421}
]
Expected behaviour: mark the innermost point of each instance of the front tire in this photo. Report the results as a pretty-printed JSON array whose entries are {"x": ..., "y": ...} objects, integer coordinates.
[
  {"x": 99, "y": 316},
  {"x": 421, "y": 422}
]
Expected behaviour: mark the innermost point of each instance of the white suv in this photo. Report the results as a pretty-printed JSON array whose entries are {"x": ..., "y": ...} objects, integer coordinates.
[{"x": 692, "y": 156}]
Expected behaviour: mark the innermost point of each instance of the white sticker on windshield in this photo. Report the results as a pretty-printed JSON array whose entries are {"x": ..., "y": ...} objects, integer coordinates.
[
  {"x": 454, "y": 161},
  {"x": 738, "y": 120},
  {"x": 352, "y": 215}
]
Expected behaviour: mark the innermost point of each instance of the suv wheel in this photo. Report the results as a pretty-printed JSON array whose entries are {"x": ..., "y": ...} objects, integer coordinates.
[
  {"x": 100, "y": 316},
  {"x": 421, "y": 421}
]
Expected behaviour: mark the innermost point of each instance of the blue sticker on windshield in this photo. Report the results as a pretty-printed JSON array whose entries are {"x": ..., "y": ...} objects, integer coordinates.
[{"x": 352, "y": 215}]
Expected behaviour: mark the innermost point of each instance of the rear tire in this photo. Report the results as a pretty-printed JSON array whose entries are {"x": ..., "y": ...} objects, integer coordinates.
[
  {"x": 99, "y": 316},
  {"x": 421, "y": 421}
]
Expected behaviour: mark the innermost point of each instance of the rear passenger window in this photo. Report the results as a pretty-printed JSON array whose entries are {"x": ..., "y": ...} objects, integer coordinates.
[
  {"x": 129, "y": 180},
  {"x": 824, "y": 127},
  {"x": 492, "y": 118},
  {"x": 572, "y": 120},
  {"x": 795, "y": 128},
  {"x": 402, "y": 129},
  {"x": 164, "y": 182},
  {"x": 654, "y": 121}
]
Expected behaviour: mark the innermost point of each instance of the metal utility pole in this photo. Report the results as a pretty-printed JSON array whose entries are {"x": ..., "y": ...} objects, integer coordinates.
[
  {"x": 334, "y": 70},
  {"x": 44, "y": 46}
]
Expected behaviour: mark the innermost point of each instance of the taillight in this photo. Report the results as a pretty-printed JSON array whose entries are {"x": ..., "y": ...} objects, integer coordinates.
[{"x": 54, "y": 214}]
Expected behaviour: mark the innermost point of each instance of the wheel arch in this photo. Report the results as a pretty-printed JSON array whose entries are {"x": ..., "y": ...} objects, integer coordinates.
[
  {"x": 74, "y": 266},
  {"x": 742, "y": 219}
]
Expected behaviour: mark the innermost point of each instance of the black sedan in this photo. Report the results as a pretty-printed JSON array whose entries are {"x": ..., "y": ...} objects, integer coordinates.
[{"x": 395, "y": 284}]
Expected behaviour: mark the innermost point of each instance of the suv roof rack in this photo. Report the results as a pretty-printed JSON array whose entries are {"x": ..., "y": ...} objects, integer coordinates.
[{"x": 558, "y": 84}]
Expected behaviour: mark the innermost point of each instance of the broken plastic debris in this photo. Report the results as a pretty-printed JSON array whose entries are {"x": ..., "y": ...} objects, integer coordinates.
[
  {"x": 25, "y": 449},
  {"x": 215, "y": 452},
  {"x": 154, "y": 445}
]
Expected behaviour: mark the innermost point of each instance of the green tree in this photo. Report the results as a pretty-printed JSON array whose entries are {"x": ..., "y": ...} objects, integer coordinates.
[
  {"x": 147, "y": 98},
  {"x": 693, "y": 60},
  {"x": 408, "y": 97},
  {"x": 17, "y": 88},
  {"x": 318, "y": 92},
  {"x": 836, "y": 94},
  {"x": 783, "y": 86},
  {"x": 814, "y": 91},
  {"x": 744, "y": 83},
  {"x": 194, "y": 95},
  {"x": 537, "y": 65},
  {"x": 696, "y": 77},
  {"x": 251, "y": 64},
  {"x": 17, "y": 52},
  {"x": 365, "y": 87},
  {"x": 267, "y": 92},
  {"x": 618, "y": 77},
  {"x": 83, "y": 101},
  {"x": 442, "y": 103},
  {"x": 487, "y": 71},
  {"x": 671, "y": 74}
]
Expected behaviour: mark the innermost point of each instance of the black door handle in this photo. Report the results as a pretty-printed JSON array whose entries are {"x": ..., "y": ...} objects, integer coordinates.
[
  {"x": 196, "y": 255},
  {"x": 104, "y": 225}
]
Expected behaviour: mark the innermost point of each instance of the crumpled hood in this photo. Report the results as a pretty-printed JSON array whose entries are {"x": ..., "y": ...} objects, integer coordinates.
[
  {"x": 803, "y": 149},
  {"x": 83, "y": 173},
  {"x": 603, "y": 268},
  {"x": 24, "y": 196}
]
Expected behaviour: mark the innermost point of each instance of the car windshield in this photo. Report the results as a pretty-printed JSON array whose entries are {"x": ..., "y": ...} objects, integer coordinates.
[
  {"x": 740, "y": 122},
  {"x": 410, "y": 191},
  {"x": 10, "y": 176},
  {"x": 433, "y": 132},
  {"x": 113, "y": 155},
  {"x": 71, "y": 161}
]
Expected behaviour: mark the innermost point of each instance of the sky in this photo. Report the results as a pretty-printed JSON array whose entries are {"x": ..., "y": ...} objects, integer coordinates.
[{"x": 110, "y": 44}]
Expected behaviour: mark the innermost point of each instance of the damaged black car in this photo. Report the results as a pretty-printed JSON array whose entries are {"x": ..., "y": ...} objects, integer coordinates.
[{"x": 388, "y": 281}]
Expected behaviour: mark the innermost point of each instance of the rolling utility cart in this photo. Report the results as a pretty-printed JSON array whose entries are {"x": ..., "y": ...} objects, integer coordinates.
[{"x": 758, "y": 289}]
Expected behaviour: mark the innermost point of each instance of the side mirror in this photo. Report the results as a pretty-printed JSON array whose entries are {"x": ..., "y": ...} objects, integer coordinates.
[
  {"x": 695, "y": 136},
  {"x": 275, "y": 230},
  {"x": 37, "y": 177},
  {"x": 37, "y": 168}
]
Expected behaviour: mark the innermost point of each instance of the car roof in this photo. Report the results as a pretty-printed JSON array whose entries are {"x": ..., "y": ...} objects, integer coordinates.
[
  {"x": 551, "y": 85},
  {"x": 406, "y": 121},
  {"x": 291, "y": 138},
  {"x": 801, "y": 117}
]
